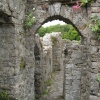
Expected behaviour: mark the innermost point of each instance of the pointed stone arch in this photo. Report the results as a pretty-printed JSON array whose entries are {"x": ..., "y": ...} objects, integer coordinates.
[{"x": 65, "y": 13}]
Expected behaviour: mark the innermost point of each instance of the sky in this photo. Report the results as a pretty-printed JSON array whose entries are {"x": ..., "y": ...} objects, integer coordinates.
[{"x": 54, "y": 22}]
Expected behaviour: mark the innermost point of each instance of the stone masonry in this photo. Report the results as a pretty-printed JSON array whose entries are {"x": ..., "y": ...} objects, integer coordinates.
[
  {"x": 18, "y": 60},
  {"x": 76, "y": 72},
  {"x": 45, "y": 61}
]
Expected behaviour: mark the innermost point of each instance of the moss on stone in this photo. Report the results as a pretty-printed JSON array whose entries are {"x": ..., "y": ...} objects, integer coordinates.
[
  {"x": 54, "y": 40},
  {"x": 22, "y": 63}
]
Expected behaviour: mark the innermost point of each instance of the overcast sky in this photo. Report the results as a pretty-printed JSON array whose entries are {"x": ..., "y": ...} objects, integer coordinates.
[{"x": 54, "y": 22}]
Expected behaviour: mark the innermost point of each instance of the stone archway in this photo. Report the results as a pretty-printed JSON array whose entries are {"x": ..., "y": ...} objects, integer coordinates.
[
  {"x": 20, "y": 83},
  {"x": 62, "y": 12},
  {"x": 83, "y": 42},
  {"x": 78, "y": 19}
]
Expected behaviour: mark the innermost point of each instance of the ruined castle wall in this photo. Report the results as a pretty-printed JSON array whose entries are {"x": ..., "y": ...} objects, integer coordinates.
[
  {"x": 39, "y": 67},
  {"x": 17, "y": 60},
  {"x": 43, "y": 64},
  {"x": 48, "y": 58},
  {"x": 76, "y": 83},
  {"x": 94, "y": 56},
  {"x": 16, "y": 52},
  {"x": 56, "y": 51}
]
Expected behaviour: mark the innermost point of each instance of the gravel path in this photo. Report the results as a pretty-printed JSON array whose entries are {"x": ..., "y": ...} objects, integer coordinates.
[{"x": 56, "y": 89}]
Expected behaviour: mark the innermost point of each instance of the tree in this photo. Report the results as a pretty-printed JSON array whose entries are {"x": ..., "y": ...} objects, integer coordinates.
[{"x": 68, "y": 32}]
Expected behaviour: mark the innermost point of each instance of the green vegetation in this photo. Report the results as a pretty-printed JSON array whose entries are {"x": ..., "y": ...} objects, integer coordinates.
[
  {"x": 37, "y": 97},
  {"x": 29, "y": 20},
  {"x": 98, "y": 77},
  {"x": 4, "y": 96},
  {"x": 46, "y": 92},
  {"x": 48, "y": 82},
  {"x": 95, "y": 25},
  {"x": 84, "y": 2},
  {"x": 22, "y": 63},
  {"x": 68, "y": 32},
  {"x": 53, "y": 39}
]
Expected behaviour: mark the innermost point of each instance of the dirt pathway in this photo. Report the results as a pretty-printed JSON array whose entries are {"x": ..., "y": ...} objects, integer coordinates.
[{"x": 56, "y": 89}]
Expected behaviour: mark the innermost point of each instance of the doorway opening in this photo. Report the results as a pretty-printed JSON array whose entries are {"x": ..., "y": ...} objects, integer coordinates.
[{"x": 53, "y": 40}]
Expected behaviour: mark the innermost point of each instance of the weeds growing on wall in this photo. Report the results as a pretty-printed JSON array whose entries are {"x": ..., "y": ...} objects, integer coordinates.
[
  {"x": 98, "y": 77},
  {"x": 29, "y": 20},
  {"x": 4, "y": 96},
  {"x": 84, "y": 2},
  {"x": 22, "y": 63},
  {"x": 95, "y": 25},
  {"x": 48, "y": 82},
  {"x": 46, "y": 92},
  {"x": 54, "y": 39}
]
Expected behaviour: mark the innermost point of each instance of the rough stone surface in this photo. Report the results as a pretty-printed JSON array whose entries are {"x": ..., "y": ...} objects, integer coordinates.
[
  {"x": 19, "y": 62},
  {"x": 56, "y": 88}
]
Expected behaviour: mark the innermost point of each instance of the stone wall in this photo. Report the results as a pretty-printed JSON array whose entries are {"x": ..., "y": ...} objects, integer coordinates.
[
  {"x": 94, "y": 56},
  {"x": 76, "y": 81},
  {"x": 48, "y": 58},
  {"x": 39, "y": 68},
  {"x": 17, "y": 60},
  {"x": 17, "y": 52},
  {"x": 56, "y": 51}
]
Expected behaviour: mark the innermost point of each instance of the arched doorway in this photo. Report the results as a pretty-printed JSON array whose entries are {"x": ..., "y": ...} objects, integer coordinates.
[
  {"x": 65, "y": 13},
  {"x": 82, "y": 41}
]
